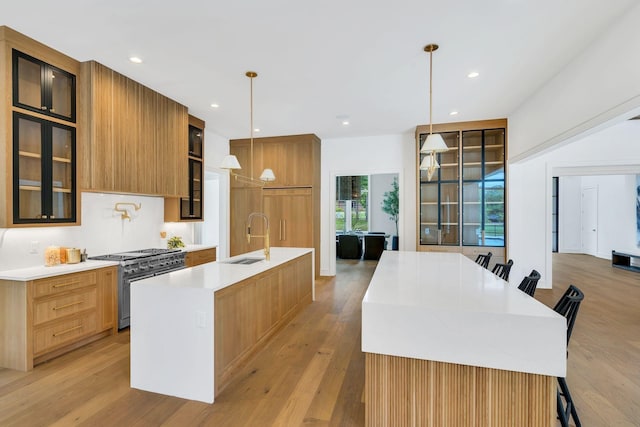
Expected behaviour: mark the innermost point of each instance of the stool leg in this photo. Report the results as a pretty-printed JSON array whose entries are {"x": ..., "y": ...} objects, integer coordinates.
[{"x": 562, "y": 382}]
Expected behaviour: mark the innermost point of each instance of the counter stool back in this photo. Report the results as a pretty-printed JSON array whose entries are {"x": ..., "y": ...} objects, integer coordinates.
[
  {"x": 502, "y": 269},
  {"x": 349, "y": 246},
  {"x": 568, "y": 306},
  {"x": 374, "y": 246},
  {"x": 483, "y": 260},
  {"x": 530, "y": 283}
]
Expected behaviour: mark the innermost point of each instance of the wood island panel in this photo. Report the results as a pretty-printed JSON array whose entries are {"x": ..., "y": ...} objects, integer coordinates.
[
  {"x": 403, "y": 391},
  {"x": 249, "y": 312}
]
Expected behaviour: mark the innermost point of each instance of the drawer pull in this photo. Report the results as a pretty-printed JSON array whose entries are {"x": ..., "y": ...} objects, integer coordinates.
[
  {"x": 62, "y": 285},
  {"x": 68, "y": 305},
  {"x": 57, "y": 334}
]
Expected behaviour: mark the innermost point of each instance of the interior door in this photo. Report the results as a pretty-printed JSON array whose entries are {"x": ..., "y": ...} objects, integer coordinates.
[{"x": 589, "y": 210}]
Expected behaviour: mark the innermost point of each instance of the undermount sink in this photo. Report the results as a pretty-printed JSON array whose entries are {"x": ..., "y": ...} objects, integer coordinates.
[{"x": 243, "y": 261}]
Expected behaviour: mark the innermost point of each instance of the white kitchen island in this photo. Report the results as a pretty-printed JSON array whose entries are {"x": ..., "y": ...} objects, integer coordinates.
[
  {"x": 449, "y": 343},
  {"x": 192, "y": 329}
]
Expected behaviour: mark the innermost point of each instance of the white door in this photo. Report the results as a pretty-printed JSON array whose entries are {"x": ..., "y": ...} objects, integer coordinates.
[{"x": 590, "y": 220}]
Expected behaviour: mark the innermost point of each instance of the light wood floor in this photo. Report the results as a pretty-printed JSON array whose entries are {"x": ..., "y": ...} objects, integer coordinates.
[{"x": 312, "y": 372}]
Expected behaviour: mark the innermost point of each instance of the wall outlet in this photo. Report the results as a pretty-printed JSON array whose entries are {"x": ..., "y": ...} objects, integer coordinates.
[
  {"x": 201, "y": 319},
  {"x": 33, "y": 247}
]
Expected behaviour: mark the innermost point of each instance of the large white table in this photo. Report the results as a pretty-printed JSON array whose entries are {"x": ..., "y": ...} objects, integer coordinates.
[{"x": 443, "y": 312}]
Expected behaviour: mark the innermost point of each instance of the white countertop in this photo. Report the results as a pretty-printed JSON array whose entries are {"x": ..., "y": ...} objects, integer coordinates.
[
  {"x": 220, "y": 274},
  {"x": 444, "y": 307},
  {"x": 41, "y": 271}
]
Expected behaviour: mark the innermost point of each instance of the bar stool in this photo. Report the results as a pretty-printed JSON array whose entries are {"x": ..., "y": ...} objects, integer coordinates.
[
  {"x": 530, "y": 283},
  {"x": 483, "y": 260},
  {"x": 568, "y": 306},
  {"x": 502, "y": 270}
]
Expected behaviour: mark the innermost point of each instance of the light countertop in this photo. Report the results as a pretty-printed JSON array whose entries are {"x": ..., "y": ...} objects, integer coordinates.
[
  {"x": 40, "y": 271},
  {"x": 220, "y": 274},
  {"x": 444, "y": 307}
]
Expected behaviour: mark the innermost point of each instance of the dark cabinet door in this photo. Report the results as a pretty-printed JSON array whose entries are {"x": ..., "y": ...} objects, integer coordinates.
[
  {"x": 44, "y": 171},
  {"x": 40, "y": 87},
  {"x": 191, "y": 208}
]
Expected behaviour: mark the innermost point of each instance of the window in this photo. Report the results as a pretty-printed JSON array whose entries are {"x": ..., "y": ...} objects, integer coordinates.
[{"x": 352, "y": 210}]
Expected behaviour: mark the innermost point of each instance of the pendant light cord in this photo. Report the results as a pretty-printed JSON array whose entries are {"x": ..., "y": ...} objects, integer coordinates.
[
  {"x": 251, "y": 120},
  {"x": 430, "y": 91}
]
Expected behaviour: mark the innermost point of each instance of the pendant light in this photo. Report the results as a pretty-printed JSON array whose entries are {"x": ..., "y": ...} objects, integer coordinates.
[
  {"x": 231, "y": 162},
  {"x": 434, "y": 143}
]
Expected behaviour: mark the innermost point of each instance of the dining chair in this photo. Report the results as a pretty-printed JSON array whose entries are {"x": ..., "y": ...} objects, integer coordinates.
[
  {"x": 530, "y": 283},
  {"x": 483, "y": 260},
  {"x": 502, "y": 270},
  {"x": 568, "y": 306}
]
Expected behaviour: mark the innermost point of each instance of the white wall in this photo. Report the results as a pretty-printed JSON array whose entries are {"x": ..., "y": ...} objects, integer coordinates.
[
  {"x": 616, "y": 213},
  {"x": 216, "y": 212},
  {"x": 598, "y": 88},
  {"x": 102, "y": 231},
  {"x": 378, "y": 220},
  {"x": 366, "y": 156},
  {"x": 613, "y": 151},
  {"x": 599, "y": 85},
  {"x": 569, "y": 213}
]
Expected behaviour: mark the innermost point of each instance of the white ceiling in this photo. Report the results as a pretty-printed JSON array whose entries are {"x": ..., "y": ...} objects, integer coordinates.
[{"x": 320, "y": 61}]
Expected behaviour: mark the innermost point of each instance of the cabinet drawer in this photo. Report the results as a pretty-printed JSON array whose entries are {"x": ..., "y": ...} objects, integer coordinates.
[
  {"x": 200, "y": 257},
  {"x": 64, "y": 283},
  {"x": 50, "y": 336},
  {"x": 64, "y": 305}
]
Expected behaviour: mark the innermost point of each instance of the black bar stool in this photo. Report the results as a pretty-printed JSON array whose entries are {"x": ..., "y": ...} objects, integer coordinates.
[
  {"x": 502, "y": 270},
  {"x": 568, "y": 306},
  {"x": 483, "y": 260},
  {"x": 530, "y": 283}
]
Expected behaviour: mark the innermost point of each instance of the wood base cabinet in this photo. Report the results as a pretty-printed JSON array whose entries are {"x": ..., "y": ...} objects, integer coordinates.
[
  {"x": 249, "y": 312},
  {"x": 198, "y": 257},
  {"x": 41, "y": 319}
]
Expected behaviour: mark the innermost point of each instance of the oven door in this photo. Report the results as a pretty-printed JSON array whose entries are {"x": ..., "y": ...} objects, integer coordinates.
[{"x": 124, "y": 302}]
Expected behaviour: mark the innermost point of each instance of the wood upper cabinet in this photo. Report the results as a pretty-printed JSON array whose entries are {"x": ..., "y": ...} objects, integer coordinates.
[
  {"x": 291, "y": 202},
  {"x": 190, "y": 208},
  {"x": 136, "y": 139},
  {"x": 292, "y": 158},
  {"x": 38, "y": 132}
]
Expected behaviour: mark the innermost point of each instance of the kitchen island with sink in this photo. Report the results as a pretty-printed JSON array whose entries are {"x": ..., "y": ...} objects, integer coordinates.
[
  {"x": 447, "y": 342},
  {"x": 192, "y": 329}
]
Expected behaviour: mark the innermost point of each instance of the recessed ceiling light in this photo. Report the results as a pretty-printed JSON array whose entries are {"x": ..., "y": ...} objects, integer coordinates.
[
  {"x": 256, "y": 130},
  {"x": 453, "y": 113},
  {"x": 345, "y": 123},
  {"x": 473, "y": 74},
  {"x": 214, "y": 105},
  {"x": 135, "y": 60}
]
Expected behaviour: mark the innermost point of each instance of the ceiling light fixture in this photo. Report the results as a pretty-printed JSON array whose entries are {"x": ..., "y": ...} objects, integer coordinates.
[
  {"x": 453, "y": 113},
  {"x": 473, "y": 74},
  {"x": 231, "y": 162},
  {"x": 434, "y": 143},
  {"x": 135, "y": 59},
  {"x": 345, "y": 123},
  {"x": 215, "y": 105}
]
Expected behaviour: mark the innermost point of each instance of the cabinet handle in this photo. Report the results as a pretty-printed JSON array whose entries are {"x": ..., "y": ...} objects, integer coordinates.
[
  {"x": 280, "y": 230},
  {"x": 44, "y": 107},
  {"x": 52, "y": 217},
  {"x": 66, "y": 331},
  {"x": 68, "y": 305},
  {"x": 44, "y": 216},
  {"x": 62, "y": 285},
  {"x": 284, "y": 221},
  {"x": 53, "y": 110}
]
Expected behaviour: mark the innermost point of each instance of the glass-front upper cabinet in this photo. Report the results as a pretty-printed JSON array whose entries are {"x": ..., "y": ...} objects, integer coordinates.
[
  {"x": 44, "y": 182},
  {"x": 191, "y": 207},
  {"x": 439, "y": 208},
  {"x": 40, "y": 87},
  {"x": 483, "y": 187}
]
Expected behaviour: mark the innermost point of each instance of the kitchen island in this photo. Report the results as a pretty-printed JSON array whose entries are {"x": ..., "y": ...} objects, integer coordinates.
[
  {"x": 192, "y": 329},
  {"x": 447, "y": 342}
]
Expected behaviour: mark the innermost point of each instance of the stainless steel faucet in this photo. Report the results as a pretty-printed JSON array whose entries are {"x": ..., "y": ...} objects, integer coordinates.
[{"x": 265, "y": 236}]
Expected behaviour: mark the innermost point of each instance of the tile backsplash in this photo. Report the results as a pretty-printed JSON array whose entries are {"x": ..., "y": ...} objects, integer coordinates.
[{"x": 102, "y": 231}]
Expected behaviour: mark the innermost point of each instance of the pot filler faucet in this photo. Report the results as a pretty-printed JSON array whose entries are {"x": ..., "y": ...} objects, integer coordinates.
[{"x": 265, "y": 236}]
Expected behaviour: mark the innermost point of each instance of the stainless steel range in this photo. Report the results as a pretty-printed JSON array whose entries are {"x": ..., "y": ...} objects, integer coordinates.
[{"x": 138, "y": 265}]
